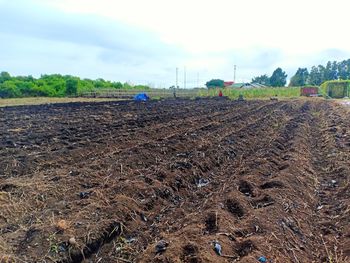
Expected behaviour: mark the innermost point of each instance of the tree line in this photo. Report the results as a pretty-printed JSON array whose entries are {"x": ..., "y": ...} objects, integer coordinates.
[
  {"x": 54, "y": 85},
  {"x": 278, "y": 79},
  {"x": 319, "y": 74},
  {"x": 303, "y": 77}
]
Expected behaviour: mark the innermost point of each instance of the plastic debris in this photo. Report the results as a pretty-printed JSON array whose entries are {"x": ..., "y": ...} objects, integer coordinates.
[
  {"x": 161, "y": 246},
  {"x": 130, "y": 240},
  {"x": 143, "y": 217},
  {"x": 217, "y": 248},
  {"x": 62, "y": 247},
  {"x": 73, "y": 173},
  {"x": 262, "y": 259},
  {"x": 202, "y": 182},
  {"x": 141, "y": 97}
]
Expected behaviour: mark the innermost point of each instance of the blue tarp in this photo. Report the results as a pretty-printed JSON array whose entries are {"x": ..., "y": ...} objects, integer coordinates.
[{"x": 141, "y": 97}]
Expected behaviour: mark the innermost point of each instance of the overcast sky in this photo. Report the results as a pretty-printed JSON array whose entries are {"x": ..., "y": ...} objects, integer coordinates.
[{"x": 144, "y": 41}]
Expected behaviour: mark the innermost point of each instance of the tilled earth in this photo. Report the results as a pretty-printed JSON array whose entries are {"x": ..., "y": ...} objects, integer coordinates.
[{"x": 163, "y": 181}]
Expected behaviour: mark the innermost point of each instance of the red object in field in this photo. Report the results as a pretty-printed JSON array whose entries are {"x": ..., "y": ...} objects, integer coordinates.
[
  {"x": 220, "y": 93},
  {"x": 309, "y": 91}
]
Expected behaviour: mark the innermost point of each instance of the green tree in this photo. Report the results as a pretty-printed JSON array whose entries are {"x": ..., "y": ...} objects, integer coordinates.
[
  {"x": 278, "y": 78},
  {"x": 323, "y": 74},
  {"x": 24, "y": 87},
  {"x": 4, "y": 76},
  {"x": 100, "y": 84},
  {"x": 300, "y": 78},
  {"x": 85, "y": 85},
  {"x": 127, "y": 85},
  {"x": 117, "y": 85},
  {"x": 72, "y": 86},
  {"x": 330, "y": 71},
  {"x": 263, "y": 79},
  {"x": 344, "y": 69},
  {"x": 44, "y": 91},
  {"x": 8, "y": 89},
  {"x": 25, "y": 78},
  {"x": 315, "y": 77},
  {"x": 215, "y": 83},
  {"x": 55, "y": 84}
]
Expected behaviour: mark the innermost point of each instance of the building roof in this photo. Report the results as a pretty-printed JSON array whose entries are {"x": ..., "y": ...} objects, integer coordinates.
[
  {"x": 247, "y": 85},
  {"x": 237, "y": 85},
  {"x": 228, "y": 83}
]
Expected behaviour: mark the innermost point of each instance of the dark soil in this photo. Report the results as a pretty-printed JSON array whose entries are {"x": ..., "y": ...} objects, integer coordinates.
[{"x": 111, "y": 181}]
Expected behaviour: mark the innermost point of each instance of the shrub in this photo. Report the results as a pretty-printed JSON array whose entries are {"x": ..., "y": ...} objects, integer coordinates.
[
  {"x": 8, "y": 89},
  {"x": 72, "y": 86},
  {"x": 336, "y": 88}
]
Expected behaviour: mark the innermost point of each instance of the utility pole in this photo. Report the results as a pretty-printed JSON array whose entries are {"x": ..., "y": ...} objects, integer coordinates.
[
  {"x": 177, "y": 78},
  {"x": 185, "y": 77},
  {"x": 234, "y": 73}
]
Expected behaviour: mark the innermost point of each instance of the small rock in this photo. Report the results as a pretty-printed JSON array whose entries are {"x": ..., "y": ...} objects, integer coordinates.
[
  {"x": 262, "y": 259},
  {"x": 72, "y": 241}
]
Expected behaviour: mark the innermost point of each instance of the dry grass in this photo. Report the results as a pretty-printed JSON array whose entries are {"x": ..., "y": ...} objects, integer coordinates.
[{"x": 46, "y": 100}]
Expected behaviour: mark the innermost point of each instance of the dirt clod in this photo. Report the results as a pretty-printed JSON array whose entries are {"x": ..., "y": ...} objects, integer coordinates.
[
  {"x": 234, "y": 207},
  {"x": 272, "y": 184},
  {"x": 246, "y": 188},
  {"x": 212, "y": 222},
  {"x": 62, "y": 225},
  {"x": 245, "y": 248},
  {"x": 161, "y": 246}
]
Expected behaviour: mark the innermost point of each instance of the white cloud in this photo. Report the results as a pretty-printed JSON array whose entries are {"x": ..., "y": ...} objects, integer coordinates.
[
  {"x": 146, "y": 40},
  {"x": 297, "y": 26}
]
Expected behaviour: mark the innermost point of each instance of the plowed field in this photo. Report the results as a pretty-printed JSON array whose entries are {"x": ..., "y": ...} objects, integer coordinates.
[{"x": 163, "y": 181}]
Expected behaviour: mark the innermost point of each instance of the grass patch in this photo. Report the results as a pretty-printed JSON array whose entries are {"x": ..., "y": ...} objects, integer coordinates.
[
  {"x": 232, "y": 93},
  {"x": 47, "y": 100}
]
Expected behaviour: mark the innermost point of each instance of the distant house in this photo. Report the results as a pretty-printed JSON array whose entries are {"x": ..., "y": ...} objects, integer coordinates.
[
  {"x": 309, "y": 91},
  {"x": 246, "y": 85},
  {"x": 237, "y": 85},
  {"x": 257, "y": 85},
  {"x": 228, "y": 83}
]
